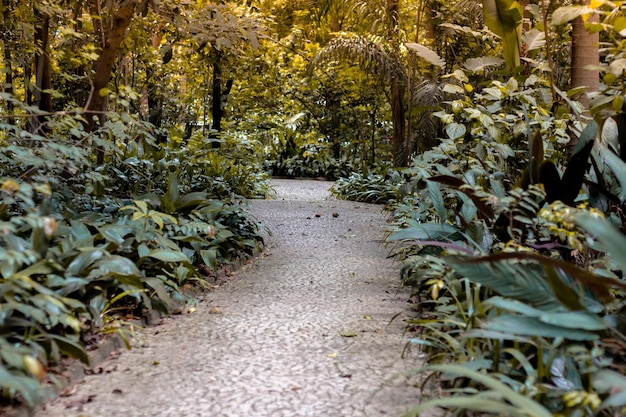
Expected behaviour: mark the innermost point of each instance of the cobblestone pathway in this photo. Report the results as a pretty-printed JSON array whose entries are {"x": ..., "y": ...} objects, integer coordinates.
[{"x": 304, "y": 330}]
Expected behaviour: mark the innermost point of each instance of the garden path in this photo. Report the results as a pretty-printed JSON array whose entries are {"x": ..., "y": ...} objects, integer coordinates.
[{"x": 304, "y": 330}]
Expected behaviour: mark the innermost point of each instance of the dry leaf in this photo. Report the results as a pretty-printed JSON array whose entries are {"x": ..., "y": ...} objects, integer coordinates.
[{"x": 215, "y": 310}]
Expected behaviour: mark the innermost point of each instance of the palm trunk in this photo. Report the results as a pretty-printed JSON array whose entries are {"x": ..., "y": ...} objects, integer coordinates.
[{"x": 585, "y": 54}]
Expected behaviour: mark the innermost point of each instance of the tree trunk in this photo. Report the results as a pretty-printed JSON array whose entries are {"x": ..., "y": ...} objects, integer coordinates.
[
  {"x": 96, "y": 103},
  {"x": 104, "y": 65},
  {"x": 398, "y": 139},
  {"x": 7, "y": 39},
  {"x": 42, "y": 95},
  {"x": 155, "y": 99},
  {"x": 219, "y": 95},
  {"x": 585, "y": 52}
]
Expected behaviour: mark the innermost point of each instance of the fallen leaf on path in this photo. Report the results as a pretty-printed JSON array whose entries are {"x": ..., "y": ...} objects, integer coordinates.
[
  {"x": 332, "y": 355},
  {"x": 68, "y": 391},
  {"x": 215, "y": 310},
  {"x": 348, "y": 333},
  {"x": 367, "y": 317}
]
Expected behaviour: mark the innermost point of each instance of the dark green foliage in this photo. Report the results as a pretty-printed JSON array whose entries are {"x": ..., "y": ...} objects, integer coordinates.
[
  {"x": 85, "y": 248},
  {"x": 373, "y": 187}
]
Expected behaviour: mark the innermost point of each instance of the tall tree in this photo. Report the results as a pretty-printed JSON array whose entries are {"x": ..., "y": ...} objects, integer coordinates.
[
  {"x": 585, "y": 54},
  {"x": 96, "y": 103},
  {"x": 43, "y": 83}
]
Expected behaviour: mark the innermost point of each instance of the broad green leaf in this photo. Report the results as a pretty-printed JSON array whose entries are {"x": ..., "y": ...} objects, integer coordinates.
[
  {"x": 167, "y": 255},
  {"x": 114, "y": 233},
  {"x": 566, "y": 14},
  {"x": 589, "y": 134},
  {"x": 428, "y": 231},
  {"x": 159, "y": 288},
  {"x": 455, "y": 130},
  {"x": 617, "y": 166},
  {"x": 209, "y": 257},
  {"x": 83, "y": 261},
  {"x": 28, "y": 387},
  {"x": 534, "y": 39},
  {"x": 426, "y": 53},
  {"x": 522, "y": 405},
  {"x": 70, "y": 348},
  {"x": 575, "y": 320},
  {"x": 504, "y": 18},
  {"x": 607, "y": 381},
  {"x": 116, "y": 265},
  {"x": 570, "y": 298},
  {"x": 479, "y": 64},
  {"x": 192, "y": 200},
  {"x": 491, "y": 403},
  {"x": 436, "y": 197},
  {"x": 43, "y": 267},
  {"x": 612, "y": 239},
  {"x": 521, "y": 281},
  {"x": 534, "y": 327}
]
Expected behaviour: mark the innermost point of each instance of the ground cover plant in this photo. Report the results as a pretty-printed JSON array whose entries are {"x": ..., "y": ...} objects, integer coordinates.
[{"x": 77, "y": 262}]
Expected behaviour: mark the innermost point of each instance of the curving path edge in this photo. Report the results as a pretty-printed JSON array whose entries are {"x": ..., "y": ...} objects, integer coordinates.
[{"x": 305, "y": 330}]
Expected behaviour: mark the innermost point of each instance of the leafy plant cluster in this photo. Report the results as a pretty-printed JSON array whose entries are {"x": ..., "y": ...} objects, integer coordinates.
[
  {"x": 378, "y": 185},
  {"x": 292, "y": 153},
  {"x": 514, "y": 245},
  {"x": 86, "y": 247}
]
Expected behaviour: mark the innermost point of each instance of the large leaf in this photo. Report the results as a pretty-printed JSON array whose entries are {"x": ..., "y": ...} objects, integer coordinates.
[
  {"x": 436, "y": 197},
  {"x": 582, "y": 320},
  {"x": 161, "y": 291},
  {"x": 428, "y": 231},
  {"x": 574, "y": 174},
  {"x": 426, "y": 53},
  {"x": 607, "y": 381},
  {"x": 83, "y": 261},
  {"x": 479, "y": 64},
  {"x": 518, "y": 280},
  {"x": 612, "y": 239},
  {"x": 504, "y": 18},
  {"x": 568, "y": 13},
  {"x": 617, "y": 166},
  {"x": 29, "y": 388},
  {"x": 534, "y": 39},
  {"x": 532, "y": 326},
  {"x": 167, "y": 255},
  {"x": 600, "y": 286},
  {"x": 69, "y": 347},
  {"x": 455, "y": 130},
  {"x": 495, "y": 392},
  {"x": 620, "y": 120}
]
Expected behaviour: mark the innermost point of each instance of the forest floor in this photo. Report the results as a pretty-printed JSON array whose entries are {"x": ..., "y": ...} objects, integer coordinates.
[{"x": 314, "y": 326}]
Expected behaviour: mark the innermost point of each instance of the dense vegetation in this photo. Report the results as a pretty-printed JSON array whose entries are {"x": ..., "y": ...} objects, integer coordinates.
[
  {"x": 132, "y": 132},
  {"x": 510, "y": 228}
]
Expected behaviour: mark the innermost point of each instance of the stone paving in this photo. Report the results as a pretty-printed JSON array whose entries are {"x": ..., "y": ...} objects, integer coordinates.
[{"x": 303, "y": 331}]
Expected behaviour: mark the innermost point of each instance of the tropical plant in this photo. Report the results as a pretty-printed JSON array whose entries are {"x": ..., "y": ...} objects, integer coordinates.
[{"x": 377, "y": 186}]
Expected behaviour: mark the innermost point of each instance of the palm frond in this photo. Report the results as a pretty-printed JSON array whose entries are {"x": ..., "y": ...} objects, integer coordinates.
[{"x": 366, "y": 53}]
